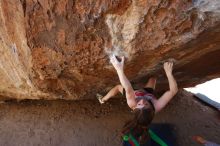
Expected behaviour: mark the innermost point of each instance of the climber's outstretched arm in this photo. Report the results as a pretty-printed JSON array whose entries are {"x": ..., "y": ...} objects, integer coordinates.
[
  {"x": 119, "y": 66},
  {"x": 173, "y": 89}
]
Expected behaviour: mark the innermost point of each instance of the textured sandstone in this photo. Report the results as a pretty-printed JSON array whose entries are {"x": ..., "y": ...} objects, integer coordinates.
[{"x": 59, "y": 48}]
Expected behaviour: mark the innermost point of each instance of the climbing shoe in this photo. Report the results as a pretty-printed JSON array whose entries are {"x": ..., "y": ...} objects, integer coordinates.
[{"x": 99, "y": 97}]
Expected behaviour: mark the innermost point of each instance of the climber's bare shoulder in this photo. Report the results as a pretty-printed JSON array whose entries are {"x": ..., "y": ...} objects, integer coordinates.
[{"x": 130, "y": 97}]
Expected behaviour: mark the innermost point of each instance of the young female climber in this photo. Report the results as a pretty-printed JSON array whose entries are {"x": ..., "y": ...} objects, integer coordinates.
[{"x": 141, "y": 101}]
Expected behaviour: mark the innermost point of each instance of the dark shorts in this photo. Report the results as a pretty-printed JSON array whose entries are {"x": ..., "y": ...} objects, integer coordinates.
[{"x": 148, "y": 90}]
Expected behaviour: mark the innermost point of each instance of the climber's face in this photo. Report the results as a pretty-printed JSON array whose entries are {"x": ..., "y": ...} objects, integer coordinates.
[{"x": 143, "y": 103}]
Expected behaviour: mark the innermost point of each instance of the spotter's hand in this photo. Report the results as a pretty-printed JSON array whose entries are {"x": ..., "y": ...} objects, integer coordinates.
[
  {"x": 118, "y": 65},
  {"x": 168, "y": 67}
]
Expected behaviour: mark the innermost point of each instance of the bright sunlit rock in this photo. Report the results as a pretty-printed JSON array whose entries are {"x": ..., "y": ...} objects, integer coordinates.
[{"x": 211, "y": 89}]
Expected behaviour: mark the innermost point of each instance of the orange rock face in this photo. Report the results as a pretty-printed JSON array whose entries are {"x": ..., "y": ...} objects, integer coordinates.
[{"x": 54, "y": 49}]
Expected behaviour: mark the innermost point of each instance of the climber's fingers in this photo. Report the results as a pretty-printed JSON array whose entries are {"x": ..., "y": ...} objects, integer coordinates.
[
  {"x": 117, "y": 59},
  {"x": 113, "y": 59},
  {"x": 118, "y": 63},
  {"x": 168, "y": 67},
  {"x": 122, "y": 60}
]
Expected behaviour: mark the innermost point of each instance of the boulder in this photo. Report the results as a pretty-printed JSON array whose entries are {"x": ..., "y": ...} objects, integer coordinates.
[{"x": 59, "y": 49}]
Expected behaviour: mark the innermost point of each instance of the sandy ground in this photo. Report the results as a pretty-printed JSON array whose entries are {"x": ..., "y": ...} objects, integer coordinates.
[{"x": 87, "y": 123}]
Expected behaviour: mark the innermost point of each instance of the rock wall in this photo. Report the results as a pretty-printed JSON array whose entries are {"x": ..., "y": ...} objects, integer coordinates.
[{"x": 59, "y": 49}]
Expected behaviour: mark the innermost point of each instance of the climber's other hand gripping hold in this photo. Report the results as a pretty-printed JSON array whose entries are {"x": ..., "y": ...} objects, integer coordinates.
[{"x": 168, "y": 95}]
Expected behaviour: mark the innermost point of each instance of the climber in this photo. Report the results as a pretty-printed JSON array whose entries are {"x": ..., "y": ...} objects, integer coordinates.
[
  {"x": 142, "y": 101},
  {"x": 137, "y": 99}
]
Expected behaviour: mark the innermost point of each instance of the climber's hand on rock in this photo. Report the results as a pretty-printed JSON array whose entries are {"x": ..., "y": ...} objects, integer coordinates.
[
  {"x": 168, "y": 67},
  {"x": 118, "y": 65}
]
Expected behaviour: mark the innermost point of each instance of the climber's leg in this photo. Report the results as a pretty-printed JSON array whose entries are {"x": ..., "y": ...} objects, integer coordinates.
[
  {"x": 114, "y": 91},
  {"x": 151, "y": 83}
]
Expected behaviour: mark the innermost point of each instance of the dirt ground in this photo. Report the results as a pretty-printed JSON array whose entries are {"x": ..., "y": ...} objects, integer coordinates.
[{"x": 87, "y": 123}]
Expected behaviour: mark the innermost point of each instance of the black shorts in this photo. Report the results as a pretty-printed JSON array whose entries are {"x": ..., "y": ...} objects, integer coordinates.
[{"x": 148, "y": 90}]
